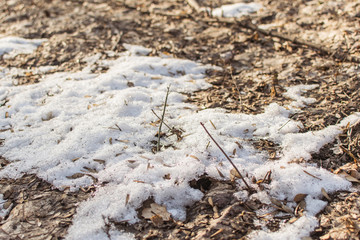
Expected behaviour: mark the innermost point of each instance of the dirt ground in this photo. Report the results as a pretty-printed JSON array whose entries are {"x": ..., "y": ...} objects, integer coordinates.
[{"x": 257, "y": 65}]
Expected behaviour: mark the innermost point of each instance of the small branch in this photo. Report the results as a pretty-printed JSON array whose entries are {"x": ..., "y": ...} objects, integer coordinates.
[
  {"x": 162, "y": 119},
  {"x": 227, "y": 157},
  {"x": 249, "y": 25}
]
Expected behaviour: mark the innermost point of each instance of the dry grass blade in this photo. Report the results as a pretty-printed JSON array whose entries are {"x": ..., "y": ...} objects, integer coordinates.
[
  {"x": 311, "y": 175},
  {"x": 162, "y": 120}
]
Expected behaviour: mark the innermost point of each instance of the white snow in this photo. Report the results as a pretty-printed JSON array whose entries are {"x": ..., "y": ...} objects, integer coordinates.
[
  {"x": 295, "y": 92},
  {"x": 67, "y": 122},
  {"x": 16, "y": 45},
  {"x": 236, "y": 10}
]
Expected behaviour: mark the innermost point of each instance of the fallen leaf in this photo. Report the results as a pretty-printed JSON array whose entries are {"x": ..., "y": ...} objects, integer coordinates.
[
  {"x": 156, "y": 210},
  {"x": 355, "y": 174},
  {"x": 349, "y": 177},
  {"x": 299, "y": 197},
  {"x": 234, "y": 173},
  {"x": 157, "y": 220}
]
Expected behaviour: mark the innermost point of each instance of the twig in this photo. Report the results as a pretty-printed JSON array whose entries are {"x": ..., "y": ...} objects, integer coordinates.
[
  {"x": 162, "y": 119},
  {"x": 227, "y": 157},
  {"x": 249, "y": 25}
]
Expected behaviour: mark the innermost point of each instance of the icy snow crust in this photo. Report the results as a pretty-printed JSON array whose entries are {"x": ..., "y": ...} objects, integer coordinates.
[{"x": 60, "y": 125}]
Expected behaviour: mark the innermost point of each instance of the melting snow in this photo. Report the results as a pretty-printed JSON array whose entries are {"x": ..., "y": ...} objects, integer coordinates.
[
  {"x": 72, "y": 122},
  {"x": 15, "y": 45},
  {"x": 236, "y": 10}
]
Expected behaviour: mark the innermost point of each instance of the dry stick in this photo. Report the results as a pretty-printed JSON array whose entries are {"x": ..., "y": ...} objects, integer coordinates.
[
  {"x": 162, "y": 119},
  {"x": 237, "y": 170},
  {"x": 249, "y": 25}
]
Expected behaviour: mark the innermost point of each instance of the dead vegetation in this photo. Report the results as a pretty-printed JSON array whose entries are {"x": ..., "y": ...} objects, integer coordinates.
[{"x": 258, "y": 64}]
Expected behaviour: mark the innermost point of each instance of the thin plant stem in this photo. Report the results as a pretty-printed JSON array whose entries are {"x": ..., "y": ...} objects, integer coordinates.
[
  {"x": 162, "y": 119},
  {"x": 237, "y": 170}
]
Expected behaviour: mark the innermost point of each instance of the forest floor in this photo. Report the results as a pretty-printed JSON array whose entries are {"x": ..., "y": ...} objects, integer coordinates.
[{"x": 257, "y": 66}]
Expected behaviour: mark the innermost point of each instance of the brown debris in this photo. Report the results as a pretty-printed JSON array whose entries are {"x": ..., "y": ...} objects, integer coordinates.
[{"x": 37, "y": 210}]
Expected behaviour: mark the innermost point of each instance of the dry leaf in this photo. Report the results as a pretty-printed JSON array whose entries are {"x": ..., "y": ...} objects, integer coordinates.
[
  {"x": 157, "y": 220},
  {"x": 324, "y": 193},
  {"x": 7, "y": 204},
  {"x": 349, "y": 177},
  {"x": 354, "y": 174},
  {"x": 299, "y": 197},
  {"x": 7, "y": 114},
  {"x": 156, "y": 210},
  {"x": 234, "y": 173},
  {"x": 75, "y": 159}
]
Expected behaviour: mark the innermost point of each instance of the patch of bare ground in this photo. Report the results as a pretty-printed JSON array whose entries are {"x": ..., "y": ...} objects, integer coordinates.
[
  {"x": 219, "y": 215},
  {"x": 36, "y": 210},
  {"x": 256, "y": 70}
]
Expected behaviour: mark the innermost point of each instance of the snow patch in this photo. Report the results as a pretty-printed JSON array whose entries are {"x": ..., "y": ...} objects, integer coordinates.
[
  {"x": 16, "y": 45},
  {"x": 236, "y": 10},
  {"x": 71, "y": 123}
]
